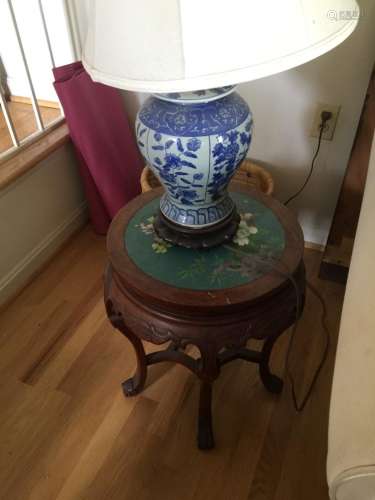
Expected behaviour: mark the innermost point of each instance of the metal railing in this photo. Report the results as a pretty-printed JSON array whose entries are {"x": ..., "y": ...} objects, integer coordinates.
[{"x": 42, "y": 129}]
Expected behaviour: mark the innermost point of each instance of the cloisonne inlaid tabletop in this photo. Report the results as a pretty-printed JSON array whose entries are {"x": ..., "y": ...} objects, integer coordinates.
[
  {"x": 260, "y": 234},
  {"x": 267, "y": 247}
]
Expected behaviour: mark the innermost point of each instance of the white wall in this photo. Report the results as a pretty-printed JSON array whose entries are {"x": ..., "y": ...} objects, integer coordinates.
[
  {"x": 34, "y": 43},
  {"x": 284, "y": 107},
  {"x": 38, "y": 213}
]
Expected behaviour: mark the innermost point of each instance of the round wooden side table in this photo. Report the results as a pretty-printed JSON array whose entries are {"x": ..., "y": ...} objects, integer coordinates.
[{"x": 214, "y": 299}]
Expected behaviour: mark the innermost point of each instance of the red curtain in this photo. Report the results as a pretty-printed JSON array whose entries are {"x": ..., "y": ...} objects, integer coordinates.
[{"x": 110, "y": 164}]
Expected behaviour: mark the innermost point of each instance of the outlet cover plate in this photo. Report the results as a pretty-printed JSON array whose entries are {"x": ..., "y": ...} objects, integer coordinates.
[{"x": 330, "y": 127}]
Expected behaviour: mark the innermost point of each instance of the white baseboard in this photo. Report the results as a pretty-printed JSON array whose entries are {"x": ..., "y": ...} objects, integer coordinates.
[{"x": 26, "y": 268}]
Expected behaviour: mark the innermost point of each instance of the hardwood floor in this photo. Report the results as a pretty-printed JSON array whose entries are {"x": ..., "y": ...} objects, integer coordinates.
[
  {"x": 68, "y": 433},
  {"x": 23, "y": 118}
]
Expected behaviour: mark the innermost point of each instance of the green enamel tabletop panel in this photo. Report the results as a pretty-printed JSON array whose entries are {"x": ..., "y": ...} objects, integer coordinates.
[{"x": 260, "y": 238}]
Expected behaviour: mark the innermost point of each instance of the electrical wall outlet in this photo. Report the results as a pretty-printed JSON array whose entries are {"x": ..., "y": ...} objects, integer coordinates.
[{"x": 330, "y": 125}]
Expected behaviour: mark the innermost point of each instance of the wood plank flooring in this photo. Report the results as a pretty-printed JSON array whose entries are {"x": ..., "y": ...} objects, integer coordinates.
[
  {"x": 24, "y": 122},
  {"x": 67, "y": 432}
]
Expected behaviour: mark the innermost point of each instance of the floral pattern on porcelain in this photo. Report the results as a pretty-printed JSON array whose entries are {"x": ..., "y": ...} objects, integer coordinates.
[
  {"x": 196, "y": 118},
  {"x": 194, "y": 150}
]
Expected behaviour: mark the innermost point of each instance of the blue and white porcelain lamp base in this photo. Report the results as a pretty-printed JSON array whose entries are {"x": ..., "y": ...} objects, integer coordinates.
[{"x": 194, "y": 142}]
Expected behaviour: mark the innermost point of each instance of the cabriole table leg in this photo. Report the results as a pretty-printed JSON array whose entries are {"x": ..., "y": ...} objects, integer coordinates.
[
  {"x": 206, "y": 439},
  {"x": 210, "y": 369},
  {"x": 135, "y": 384},
  {"x": 271, "y": 382}
]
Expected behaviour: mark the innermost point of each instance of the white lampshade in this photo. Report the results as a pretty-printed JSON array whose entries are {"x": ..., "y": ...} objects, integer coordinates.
[{"x": 182, "y": 45}]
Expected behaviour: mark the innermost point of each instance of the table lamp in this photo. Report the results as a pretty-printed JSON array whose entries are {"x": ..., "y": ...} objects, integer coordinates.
[{"x": 195, "y": 130}]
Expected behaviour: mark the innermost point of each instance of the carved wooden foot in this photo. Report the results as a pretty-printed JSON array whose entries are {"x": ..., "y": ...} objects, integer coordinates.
[
  {"x": 132, "y": 386},
  {"x": 270, "y": 381},
  {"x": 135, "y": 384},
  {"x": 205, "y": 434}
]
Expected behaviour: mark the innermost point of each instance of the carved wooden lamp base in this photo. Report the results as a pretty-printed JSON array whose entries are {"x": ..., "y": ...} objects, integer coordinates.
[{"x": 209, "y": 237}]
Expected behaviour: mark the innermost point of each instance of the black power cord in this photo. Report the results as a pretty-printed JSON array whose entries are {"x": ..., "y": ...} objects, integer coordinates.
[
  {"x": 285, "y": 273},
  {"x": 299, "y": 407},
  {"x": 325, "y": 117}
]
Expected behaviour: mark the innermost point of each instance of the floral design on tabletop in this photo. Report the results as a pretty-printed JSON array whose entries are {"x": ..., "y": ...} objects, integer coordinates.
[
  {"x": 147, "y": 227},
  {"x": 160, "y": 246},
  {"x": 258, "y": 243},
  {"x": 245, "y": 230}
]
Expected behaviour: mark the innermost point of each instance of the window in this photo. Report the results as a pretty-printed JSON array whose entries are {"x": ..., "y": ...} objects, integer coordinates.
[{"x": 35, "y": 36}]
